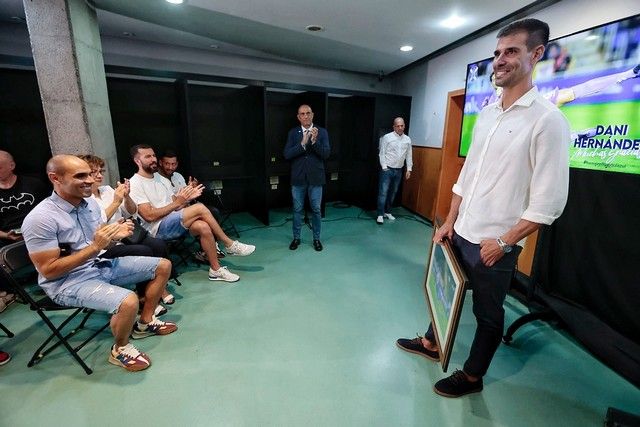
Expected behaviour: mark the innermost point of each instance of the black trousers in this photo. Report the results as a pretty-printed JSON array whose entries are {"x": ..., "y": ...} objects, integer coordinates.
[{"x": 489, "y": 286}]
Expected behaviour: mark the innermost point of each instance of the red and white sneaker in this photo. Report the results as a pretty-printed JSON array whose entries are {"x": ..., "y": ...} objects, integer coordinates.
[{"x": 129, "y": 358}]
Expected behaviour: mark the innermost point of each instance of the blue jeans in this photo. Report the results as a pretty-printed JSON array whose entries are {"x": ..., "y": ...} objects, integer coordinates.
[
  {"x": 315, "y": 196},
  {"x": 489, "y": 286},
  {"x": 103, "y": 285},
  {"x": 387, "y": 188}
]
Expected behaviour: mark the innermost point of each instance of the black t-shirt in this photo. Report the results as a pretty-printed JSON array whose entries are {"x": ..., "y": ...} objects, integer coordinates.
[{"x": 17, "y": 201}]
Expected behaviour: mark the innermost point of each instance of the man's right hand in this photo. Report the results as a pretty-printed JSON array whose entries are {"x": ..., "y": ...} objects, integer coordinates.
[
  {"x": 188, "y": 193},
  {"x": 445, "y": 231},
  {"x": 10, "y": 235},
  {"x": 305, "y": 138}
]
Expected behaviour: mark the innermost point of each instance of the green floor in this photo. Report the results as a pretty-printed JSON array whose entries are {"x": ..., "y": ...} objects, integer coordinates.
[{"x": 308, "y": 339}]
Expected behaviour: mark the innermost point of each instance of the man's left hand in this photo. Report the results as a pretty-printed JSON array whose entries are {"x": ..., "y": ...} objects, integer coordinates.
[
  {"x": 125, "y": 229},
  {"x": 407, "y": 175},
  {"x": 490, "y": 252}
]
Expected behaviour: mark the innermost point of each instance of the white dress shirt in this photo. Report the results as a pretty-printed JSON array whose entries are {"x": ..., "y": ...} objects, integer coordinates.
[
  {"x": 394, "y": 150},
  {"x": 517, "y": 168}
]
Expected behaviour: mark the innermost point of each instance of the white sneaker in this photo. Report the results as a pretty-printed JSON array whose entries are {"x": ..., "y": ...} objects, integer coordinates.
[
  {"x": 240, "y": 249},
  {"x": 223, "y": 274},
  {"x": 380, "y": 220},
  {"x": 160, "y": 310},
  {"x": 389, "y": 216}
]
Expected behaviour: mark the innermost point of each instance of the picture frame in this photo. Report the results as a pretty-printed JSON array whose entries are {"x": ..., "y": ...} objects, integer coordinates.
[{"x": 445, "y": 287}]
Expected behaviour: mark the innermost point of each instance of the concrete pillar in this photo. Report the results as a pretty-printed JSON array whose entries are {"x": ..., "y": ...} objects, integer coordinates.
[{"x": 67, "y": 53}]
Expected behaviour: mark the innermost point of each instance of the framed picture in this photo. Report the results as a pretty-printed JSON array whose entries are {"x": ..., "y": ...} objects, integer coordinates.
[{"x": 445, "y": 287}]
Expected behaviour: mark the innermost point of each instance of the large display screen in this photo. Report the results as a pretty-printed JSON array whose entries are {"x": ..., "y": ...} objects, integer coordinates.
[{"x": 594, "y": 78}]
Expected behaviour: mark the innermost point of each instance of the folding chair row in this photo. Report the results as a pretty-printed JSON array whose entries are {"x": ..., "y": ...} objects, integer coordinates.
[{"x": 14, "y": 260}]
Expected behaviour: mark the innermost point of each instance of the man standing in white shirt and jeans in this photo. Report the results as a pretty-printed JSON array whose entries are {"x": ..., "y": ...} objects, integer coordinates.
[
  {"x": 515, "y": 178},
  {"x": 395, "y": 148}
]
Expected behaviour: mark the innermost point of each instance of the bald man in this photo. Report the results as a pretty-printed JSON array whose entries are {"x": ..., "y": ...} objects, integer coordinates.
[
  {"x": 65, "y": 237},
  {"x": 395, "y": 150},
  {"x": 18, "y": 195}
]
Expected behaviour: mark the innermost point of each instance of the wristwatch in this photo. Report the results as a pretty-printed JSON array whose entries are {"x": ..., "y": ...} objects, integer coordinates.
[{"x": 505, "y": 248}]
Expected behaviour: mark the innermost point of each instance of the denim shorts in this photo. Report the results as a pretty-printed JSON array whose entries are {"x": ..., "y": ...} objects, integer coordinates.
[
  {"x": 101, "y": 288},
  {"x": 171, "y": 226}
]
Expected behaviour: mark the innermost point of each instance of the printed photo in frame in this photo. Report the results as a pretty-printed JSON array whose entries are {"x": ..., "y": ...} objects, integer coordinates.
[{"x": 445, "y": 287}]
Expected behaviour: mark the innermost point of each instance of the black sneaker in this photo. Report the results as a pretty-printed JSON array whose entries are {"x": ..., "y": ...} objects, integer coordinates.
[
  {"x": 415, "y": 346},
  {"x": 457, "y": 385}
]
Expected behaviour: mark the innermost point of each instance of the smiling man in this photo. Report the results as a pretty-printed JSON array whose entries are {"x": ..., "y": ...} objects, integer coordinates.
[
  {"x": 307, "y": 148},
  {"x": 515, "y": 179},
  {"x": 65, "y": 237}
]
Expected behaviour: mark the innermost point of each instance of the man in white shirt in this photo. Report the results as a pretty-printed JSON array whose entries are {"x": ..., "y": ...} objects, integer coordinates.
[
  {"x": 515, "y": 178},
  {"x": 167, "y": 165},
  {"x": 174, "y": 181},
  {"x": 395, "y": 149},
  {"x": 169, "y": 216}
]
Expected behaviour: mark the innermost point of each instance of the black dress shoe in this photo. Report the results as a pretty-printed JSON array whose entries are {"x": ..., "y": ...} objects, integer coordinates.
[
  {"x": 317, "y": 245},
  {"x": 294, "y": 244}
]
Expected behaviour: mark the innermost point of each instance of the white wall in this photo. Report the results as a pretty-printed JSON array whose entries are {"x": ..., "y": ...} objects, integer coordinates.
[
  {"x": 14, "y": 41},
  {"x": 429, "y": 83}
]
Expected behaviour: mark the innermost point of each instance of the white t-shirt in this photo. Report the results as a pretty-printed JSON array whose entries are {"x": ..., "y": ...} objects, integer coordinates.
[
  {"x": 176, "y": 183},
  {"x": 106, "y": 198},
  {"x": 152, "y": 191}
]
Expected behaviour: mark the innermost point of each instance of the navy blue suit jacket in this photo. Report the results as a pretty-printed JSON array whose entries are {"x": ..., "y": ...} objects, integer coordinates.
[{"x": 307, "y": 165}]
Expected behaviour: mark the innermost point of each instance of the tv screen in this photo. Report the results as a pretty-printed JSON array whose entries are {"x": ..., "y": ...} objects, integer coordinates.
[{"x": 594, "y": 78}]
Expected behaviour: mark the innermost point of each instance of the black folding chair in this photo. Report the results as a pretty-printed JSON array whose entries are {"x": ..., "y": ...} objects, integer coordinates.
[
  {"x": 180, "y": 251},
  {"x": 14, "y": 260},
  {"x": 6, "y": 331},
  {"x": 224, "y": 219}
]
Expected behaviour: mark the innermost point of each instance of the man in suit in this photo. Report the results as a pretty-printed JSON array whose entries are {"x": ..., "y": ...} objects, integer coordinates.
[{"x": 307, "y": 148}]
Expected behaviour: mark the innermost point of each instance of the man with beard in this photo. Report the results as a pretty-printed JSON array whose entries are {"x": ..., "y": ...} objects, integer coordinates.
[{"x": 168, "y": 216}]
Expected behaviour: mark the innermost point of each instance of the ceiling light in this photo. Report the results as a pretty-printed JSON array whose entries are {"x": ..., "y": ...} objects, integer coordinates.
[
  {"x": 314, "y": 28},
  {"x": 406, "y": 48},
  {"x": 175, "y": 1},
  {"x": 454, "y": 21},
  {"x": 592, "y": 37},
  {"x": 128, "y": 34}
]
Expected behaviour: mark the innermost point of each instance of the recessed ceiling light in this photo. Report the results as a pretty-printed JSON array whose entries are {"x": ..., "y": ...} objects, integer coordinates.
[
  {"x": 406, "y": 48},
  {"x": 454, "y": 21},
  {"x": 315, "y": 28},
  {"x": 175, "y": 1},
  {"x": 128, "y": 34},
  {"x": 214, "y": 46}
]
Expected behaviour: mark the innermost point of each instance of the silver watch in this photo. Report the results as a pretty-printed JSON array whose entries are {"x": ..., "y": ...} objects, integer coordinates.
[{"x": 505, "y": 248}]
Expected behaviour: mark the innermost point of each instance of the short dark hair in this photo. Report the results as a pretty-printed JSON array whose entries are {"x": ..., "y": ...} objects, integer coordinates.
[
  {"x": 169, "y": 154},
  {"x": 537, "y": 31},
  {"x": 134, "y": 150}
]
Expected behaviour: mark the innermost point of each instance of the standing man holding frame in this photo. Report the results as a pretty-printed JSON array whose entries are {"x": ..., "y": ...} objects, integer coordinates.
[
  {"x": 395, "y": 149},
  {"x": 515, "y": 179},
  {"x": 307, "y": 148}
]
